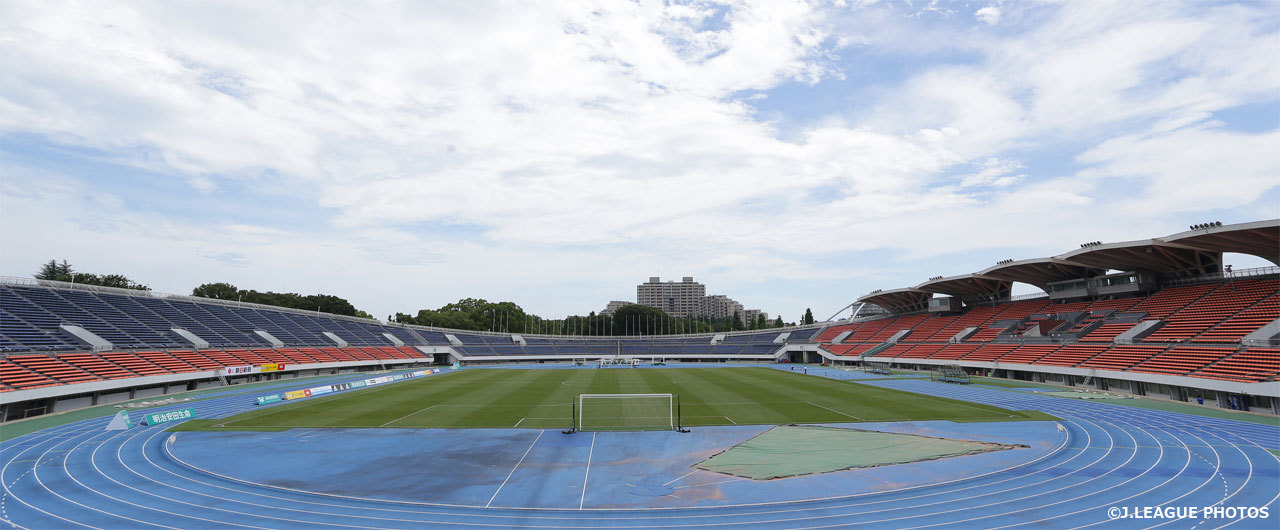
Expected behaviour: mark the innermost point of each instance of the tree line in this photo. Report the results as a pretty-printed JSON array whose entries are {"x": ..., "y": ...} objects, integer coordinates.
[
  {"x": 476, "y": 314},
  {"x": 324, "y": 303},
  {"x": 63, "y": 272}
]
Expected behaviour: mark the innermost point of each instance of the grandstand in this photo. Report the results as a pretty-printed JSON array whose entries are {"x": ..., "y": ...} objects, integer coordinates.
[{"x": 1155, "y": 315}]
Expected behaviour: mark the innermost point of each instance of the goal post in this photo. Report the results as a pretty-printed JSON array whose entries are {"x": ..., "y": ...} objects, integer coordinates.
[{"x": 626, "y": 412}]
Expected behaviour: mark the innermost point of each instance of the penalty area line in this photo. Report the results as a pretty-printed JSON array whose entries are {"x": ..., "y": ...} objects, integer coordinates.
[
  {"x": 835, "y": 411},
  {"x": 405, "y": 416}
]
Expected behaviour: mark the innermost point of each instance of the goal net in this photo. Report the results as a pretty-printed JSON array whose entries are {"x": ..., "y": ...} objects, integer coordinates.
[{"x": 626, "y": 412}]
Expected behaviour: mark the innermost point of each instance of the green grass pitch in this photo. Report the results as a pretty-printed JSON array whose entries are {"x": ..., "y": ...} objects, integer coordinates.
[{"x": 501, "y": 398}]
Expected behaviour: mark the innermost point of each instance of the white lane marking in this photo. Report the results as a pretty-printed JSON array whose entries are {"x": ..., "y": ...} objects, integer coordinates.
[
  {"x": 588, "y": 473},
  {"x": 513, "y": 470}
]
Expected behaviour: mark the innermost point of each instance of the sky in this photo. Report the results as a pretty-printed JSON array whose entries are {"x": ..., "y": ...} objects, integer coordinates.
[{"x": 791, "y": 155}]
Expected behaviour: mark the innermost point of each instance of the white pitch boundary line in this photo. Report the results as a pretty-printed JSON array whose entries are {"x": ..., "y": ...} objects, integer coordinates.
[
  {"x": 835, "y": 411},
  {"x": 587, "y": 475},
  {"x": 405, "y": 416},
  {"x": 513, "y": 470}
]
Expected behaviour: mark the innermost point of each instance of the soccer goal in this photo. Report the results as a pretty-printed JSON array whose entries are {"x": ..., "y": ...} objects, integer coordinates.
[{"x": 626, "y": 412}]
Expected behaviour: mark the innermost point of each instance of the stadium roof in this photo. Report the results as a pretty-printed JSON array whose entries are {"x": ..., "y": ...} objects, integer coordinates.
[
  {"x": 1147, "y": 255},
  {"x": 1040, "y": 272},
  {"x": 1190, "y": 253},
  {"x": 1259, "y": 238},
  {"x": 970, "y": 287},
  {"x": 899, "y": 300}
]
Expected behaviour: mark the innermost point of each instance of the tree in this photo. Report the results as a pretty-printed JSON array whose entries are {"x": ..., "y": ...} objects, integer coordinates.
[
  {"x": 808, "y": 316},
  {"x": 778, "y": 323},
  {"x": 63, "y": 272},
  {"x": 636, "y": 319},
  {"x": 53, "y": 270},
  {"x": 220, "y": 291},
  {"x": 760, "y": 322}
]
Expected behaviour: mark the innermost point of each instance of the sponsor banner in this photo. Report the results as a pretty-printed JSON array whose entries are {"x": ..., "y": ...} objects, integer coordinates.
[
  {"x": 379, "y": 380},
  {"x": 239, "y": 370},
  {"x": 271, "y": 367},
  {"x": 340, "y": 387},
  {"x": 273, "y": 398},
  {"x": 295, "y": 394},
  {"x": 166, "y": 417},
  {"x": 421, "y": 373},
  {"x": 357, "y": 384},
  {"x": 320, "y": 390},
  {"x": 435, "y": 370}
]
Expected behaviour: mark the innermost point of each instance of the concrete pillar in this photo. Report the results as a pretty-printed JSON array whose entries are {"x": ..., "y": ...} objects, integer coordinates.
[
  {"x": 1100, "y": 383},
  {"x": 1222, "y": 399},
  {"x": 1138, "y": 388},
  {"x": 1275, "y": 405}
]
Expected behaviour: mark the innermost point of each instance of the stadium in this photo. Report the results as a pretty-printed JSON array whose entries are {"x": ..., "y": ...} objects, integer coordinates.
[
  {"x": 371, "y": 264},
  {"x": 950, "y": 403}
]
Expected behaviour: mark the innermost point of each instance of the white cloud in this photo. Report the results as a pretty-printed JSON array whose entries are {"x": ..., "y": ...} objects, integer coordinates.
[
  {"x": 606, "y": 139},
  {"x": 989, "y": 15}
]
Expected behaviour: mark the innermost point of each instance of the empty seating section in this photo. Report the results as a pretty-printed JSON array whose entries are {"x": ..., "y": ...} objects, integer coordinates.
[
  {"x": 1115, "y": 304},
  {"x": 30, "y": 317},
  {"x": 168, "y": 362},
  {"x": 990, "y": 352},
  {"x": 338, "y": 355},
  {"x": 1107, "y": 332},
  {"x": 897, "y": 350},
  {"x": 923, "y": 351},
  {"x": 296, "y": 356},
  {"x": 16, "y": 377},
  {"x": 1121, "y": 358},
  {"x": 1028, "y": 354},
  {"x": 1243, "y": 323},
  {"x": 927, "y": 328},
  {"x": 222, "y": 358},
  {"x": 1214, "y": 307},
  {"x": 896, "y": 325},
  {"x": 979, "y": 317},
  {"x": 1182, "y": 360},
  {"x": 194, "y": 358},
  {"x": 954, "y": 351},
  {"x": 986, "y": 334},
  {"x": 29, "y": 324},
  {"x": 850, "y": 349},
  {"x": 53, "y": 368},
  {"x": 1253, "y": 365},
  {"x": 1169, "y": 301},
  {"x": 832, "y": 332},
  {"x": 271, "y": 356},
  {"x": 95, "y": 365},
  {"x": 1072, "y": 355},
  {"x": 134, "y": 363},
  {"x": 1087, "y": 322},
  {"x": 868, "y": 329}
]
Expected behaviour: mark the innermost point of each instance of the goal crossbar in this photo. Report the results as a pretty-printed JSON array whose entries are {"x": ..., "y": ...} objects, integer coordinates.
[{"x": 626, "y": 412}]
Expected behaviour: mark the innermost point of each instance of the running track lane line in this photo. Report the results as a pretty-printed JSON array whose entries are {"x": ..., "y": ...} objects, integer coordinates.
[
  {"x": 517, "y": 466},
  {"x": 587, "y": 475}
]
